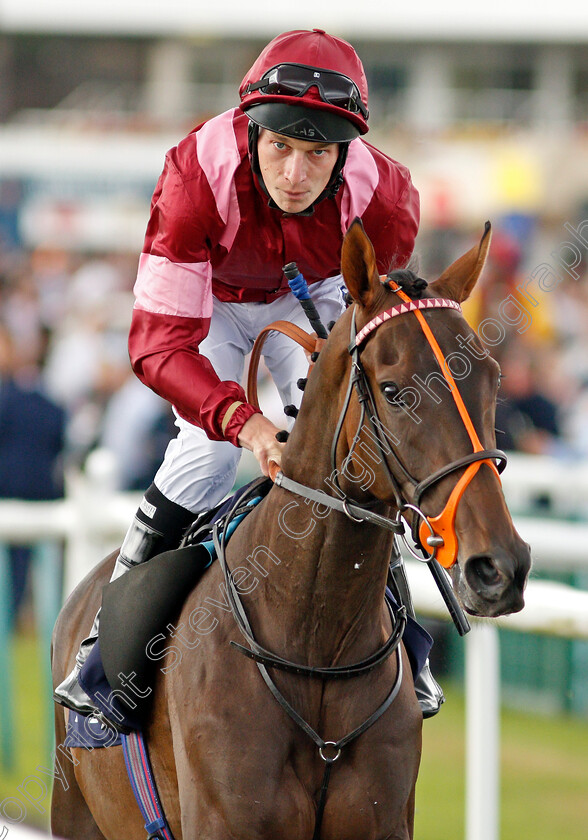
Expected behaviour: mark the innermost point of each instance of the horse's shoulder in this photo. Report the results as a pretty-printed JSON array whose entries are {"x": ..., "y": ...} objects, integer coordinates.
[{"x": 87, "y": 590}]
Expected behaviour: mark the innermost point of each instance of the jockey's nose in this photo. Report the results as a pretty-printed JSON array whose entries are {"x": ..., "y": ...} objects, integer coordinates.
[{"x": 295, "y": 169}]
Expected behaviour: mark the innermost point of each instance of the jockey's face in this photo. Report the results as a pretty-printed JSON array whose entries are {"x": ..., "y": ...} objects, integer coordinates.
[{"x": 295, "y": 172}]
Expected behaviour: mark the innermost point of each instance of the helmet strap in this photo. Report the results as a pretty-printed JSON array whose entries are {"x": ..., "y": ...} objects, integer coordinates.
[
  {"x": 336, "y": 180},
  {"x": 252, "y": 138}
]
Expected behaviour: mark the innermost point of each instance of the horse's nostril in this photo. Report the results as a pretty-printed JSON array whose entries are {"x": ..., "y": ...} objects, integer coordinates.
[{"x": 481, "y": 571}]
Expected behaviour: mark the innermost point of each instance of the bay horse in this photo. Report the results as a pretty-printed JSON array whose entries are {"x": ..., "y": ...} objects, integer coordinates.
[{"x": 379, "y": 429}]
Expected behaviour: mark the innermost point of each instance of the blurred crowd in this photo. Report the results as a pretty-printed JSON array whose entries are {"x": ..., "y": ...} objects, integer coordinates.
[
  {"x": 530, "y": 309},
  {"x": 66, "y": 318},
  {"x": 66, "y": 387}
]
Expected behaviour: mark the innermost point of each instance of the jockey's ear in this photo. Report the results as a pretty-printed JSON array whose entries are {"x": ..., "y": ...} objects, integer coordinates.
[
  {"x": 458, "y": 281},
  {"x": 358, "y": 264}
]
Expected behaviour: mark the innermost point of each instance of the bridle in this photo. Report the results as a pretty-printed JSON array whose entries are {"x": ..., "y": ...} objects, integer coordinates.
[{"x": 437, "y": 533}]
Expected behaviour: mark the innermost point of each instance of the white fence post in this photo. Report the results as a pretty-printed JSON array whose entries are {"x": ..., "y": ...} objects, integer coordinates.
[{"x": 482, "y": 687}]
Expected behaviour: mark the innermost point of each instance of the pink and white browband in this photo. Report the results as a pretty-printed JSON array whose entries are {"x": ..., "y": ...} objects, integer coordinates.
[{"x": 402, "y": 309}]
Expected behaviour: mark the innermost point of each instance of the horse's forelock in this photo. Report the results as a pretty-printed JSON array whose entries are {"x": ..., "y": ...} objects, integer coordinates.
[{"x": 408, "y": 280}]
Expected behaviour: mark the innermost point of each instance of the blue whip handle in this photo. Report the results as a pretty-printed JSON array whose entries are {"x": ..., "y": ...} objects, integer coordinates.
[{"x": 299, "y": 288}]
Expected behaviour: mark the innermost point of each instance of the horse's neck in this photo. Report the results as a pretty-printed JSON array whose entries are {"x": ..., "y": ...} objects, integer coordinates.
[{"x": 328, "y": 573}]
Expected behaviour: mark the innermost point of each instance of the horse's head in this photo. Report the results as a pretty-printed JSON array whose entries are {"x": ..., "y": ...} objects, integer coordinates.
[{"x": 420, "y": 432}]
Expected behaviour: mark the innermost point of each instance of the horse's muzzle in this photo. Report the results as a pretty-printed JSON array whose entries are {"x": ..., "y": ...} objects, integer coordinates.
[{"x": 493, "y": 585}]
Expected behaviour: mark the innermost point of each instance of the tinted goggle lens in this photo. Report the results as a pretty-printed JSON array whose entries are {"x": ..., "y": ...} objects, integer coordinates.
[{"x": 295, "y": 80}]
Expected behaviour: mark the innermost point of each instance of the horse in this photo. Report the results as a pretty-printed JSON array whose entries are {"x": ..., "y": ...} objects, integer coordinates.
[{"x": 380, "y": 432}]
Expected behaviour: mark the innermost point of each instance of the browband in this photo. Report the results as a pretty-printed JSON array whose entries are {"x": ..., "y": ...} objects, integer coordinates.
[{"x": 402, "y": 309}]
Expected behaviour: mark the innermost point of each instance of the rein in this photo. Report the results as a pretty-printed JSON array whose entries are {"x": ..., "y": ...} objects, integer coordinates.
[{"x": 296, "y": 333}]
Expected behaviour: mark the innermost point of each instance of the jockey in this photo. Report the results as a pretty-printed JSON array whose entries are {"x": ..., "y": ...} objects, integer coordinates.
[{"x": 275, "y": 180}]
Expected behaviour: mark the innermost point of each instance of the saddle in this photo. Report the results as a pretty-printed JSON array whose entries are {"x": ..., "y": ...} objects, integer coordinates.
[{"x": 137, "y": 611}]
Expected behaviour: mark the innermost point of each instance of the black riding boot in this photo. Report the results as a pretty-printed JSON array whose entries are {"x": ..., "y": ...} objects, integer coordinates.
[
  {"x": 144, "y": 540},
  {"x": 428, "y": 691}
]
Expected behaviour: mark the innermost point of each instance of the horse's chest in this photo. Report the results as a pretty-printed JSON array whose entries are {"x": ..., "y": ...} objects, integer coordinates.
[
  {"x": 260, "y": 775},
  {"x": 272, "y": 785},
  {"x": 357, "y": 807}
]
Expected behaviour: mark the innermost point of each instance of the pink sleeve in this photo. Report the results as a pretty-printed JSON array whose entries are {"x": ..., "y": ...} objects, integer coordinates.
[{"x": 173, "y": 301}]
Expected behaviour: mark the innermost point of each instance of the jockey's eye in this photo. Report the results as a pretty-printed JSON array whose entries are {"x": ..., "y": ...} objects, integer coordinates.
[{"x": 391, "y": 390}]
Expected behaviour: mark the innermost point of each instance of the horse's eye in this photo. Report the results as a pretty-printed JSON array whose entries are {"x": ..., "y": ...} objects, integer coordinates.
[{"x": 390, "y": 390}]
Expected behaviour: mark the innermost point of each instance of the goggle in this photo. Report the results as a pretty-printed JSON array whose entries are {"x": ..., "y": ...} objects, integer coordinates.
[{"x": 295, "y": 79}]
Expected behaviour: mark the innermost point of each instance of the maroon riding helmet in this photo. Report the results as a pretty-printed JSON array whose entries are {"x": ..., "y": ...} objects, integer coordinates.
[{"x": 310, "y": 86}]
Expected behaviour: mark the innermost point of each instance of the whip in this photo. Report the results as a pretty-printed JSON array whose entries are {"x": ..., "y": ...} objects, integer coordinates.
[{"x": 299, "y": 288}]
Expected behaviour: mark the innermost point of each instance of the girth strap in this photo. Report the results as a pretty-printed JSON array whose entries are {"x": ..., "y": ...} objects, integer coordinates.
[{"x": 144, "y": 787}]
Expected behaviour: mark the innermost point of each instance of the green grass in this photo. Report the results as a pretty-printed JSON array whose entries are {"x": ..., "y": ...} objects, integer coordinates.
[
  {"x": 544, "y": 776},
  {"x": 32, "y": 737},
  {"x": 544, "y": 788}
]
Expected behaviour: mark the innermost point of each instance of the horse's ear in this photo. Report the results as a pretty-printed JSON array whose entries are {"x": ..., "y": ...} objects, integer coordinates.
[
  {"x": 459, "y": 279},
  {"x": 358, "y": 264}
]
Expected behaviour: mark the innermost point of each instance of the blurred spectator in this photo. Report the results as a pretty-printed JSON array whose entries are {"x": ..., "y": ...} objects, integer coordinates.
[
  {"x": 503, "y": 276},
  {"x": 31, "y": 448},
  {"x": 10, "y": 198},
  {"x": 50, "y": 269},
  {"x": 88, "y": 359},
  {"x": 137, "y": 427},
  {"x": 527, "y": 419},
  {"x": 498, "y": 280},
  {"x": 576, "y": 422},
  {"x": 570, "y": 308}
]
